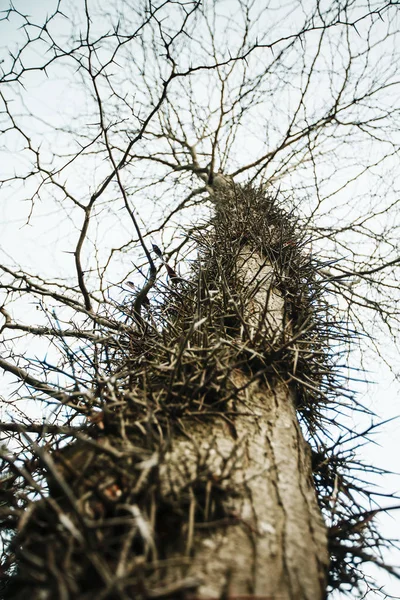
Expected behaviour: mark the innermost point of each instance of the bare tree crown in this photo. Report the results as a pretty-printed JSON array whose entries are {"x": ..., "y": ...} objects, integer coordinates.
[{"x": 205, "y": 199}]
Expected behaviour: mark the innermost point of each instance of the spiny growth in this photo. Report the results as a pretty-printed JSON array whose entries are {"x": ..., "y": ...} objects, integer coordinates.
[{"x": 111, "y": 483}]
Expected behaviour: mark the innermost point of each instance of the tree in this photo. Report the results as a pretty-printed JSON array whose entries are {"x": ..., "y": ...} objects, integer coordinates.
[{"x": 191, "y": 389}]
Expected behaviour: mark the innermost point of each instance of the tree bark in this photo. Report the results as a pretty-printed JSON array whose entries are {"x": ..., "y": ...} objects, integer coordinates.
[{"x": 273, "y": 542}]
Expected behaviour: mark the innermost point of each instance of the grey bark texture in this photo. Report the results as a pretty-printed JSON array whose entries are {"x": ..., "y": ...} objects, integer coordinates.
[{"x": 273, "y": 543}]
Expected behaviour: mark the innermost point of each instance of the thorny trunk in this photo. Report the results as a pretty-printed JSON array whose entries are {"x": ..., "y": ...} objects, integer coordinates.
[
  {"x": 276, "y": 543},
  {"x": 204, "y": 486}
]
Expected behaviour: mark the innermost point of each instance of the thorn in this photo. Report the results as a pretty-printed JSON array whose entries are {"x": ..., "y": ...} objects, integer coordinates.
[
  {"x": 171, "y": 273},
  {"x": 146, "y": 301},
  {"x": 157, "y": 251}
]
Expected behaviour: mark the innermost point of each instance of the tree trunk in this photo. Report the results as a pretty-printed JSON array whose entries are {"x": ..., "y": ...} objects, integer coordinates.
[{"x": 274, "y": 543}]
